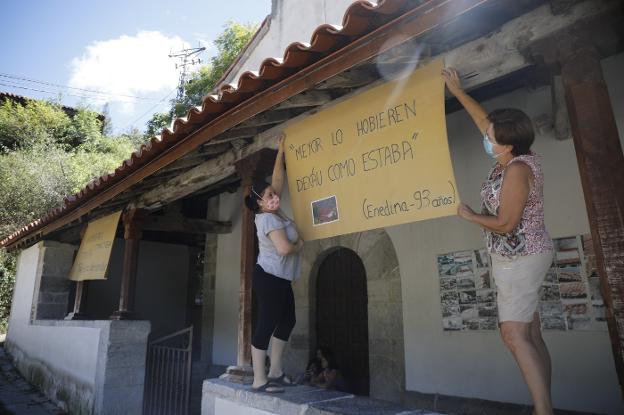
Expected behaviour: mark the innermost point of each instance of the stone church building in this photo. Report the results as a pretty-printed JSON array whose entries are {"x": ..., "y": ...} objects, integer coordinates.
[{"x": 176, "y": 309}]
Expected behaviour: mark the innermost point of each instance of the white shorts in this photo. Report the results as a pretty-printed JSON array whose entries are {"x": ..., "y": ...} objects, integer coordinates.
[{"x": 518, "y": 282}]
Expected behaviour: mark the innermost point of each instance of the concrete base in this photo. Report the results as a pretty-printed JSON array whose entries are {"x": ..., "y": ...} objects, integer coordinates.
[
  {"x": 115, "y": 387},
  {"x": 220, "y": 397}
]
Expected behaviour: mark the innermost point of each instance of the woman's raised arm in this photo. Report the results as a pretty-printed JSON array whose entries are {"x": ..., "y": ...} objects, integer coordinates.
[
  {"x": 476, "y": 111},
  {"x": 277, "y": 180}
]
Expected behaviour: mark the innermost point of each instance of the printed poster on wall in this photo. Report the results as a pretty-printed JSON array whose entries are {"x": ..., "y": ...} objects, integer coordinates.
[
  {"x": 570, "y": 297},
  {"x": 93, "y": 256},
  {"x": 377, "y": 159}
]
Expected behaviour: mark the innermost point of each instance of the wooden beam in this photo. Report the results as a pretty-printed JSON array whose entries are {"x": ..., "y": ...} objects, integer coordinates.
[
  {"x": 348, "y": 79},
  {"x": 415, "y": 23},
  {"x": 268, "y": 118},
  {"x": 186, "y": 225},
  {"x": 195, "y": 179},
  {"x": 233, "y": 134},
  {"x": 184, "y": 164},
  {"x": 508, "y": 49},
  {"x": 306, "y": 99},
  {"x": 561, "y": 120},
  {"x": 601, "y": 167}
]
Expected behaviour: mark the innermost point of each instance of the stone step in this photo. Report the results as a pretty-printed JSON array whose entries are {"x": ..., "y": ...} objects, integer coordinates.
[{"x": 297, "y": 400}]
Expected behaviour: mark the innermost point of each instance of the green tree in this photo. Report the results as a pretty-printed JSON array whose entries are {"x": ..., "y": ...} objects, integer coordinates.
[
  {"x": 7, "y": 282},
  {"x": 45, "y": 157},
  {"x": 22, "y": 126},
  {"x": 42, "y": 123},
  {"x": 229, "y": 45},
  {"x": 156, "y": 124}
]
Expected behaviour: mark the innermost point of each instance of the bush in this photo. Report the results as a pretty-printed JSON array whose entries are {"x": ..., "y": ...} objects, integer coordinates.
[
  {"x": 44, "y": 157},
  {"x": 7, "y": 281}
]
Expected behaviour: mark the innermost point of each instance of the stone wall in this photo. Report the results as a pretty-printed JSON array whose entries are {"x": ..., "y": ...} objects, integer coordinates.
[
  {"x": 209, "y": 284},
  {"x": 53, "y": 287},
  {"x": 385, "y": 310}
]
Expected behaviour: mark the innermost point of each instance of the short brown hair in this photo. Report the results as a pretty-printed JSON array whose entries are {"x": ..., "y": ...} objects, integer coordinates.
[{"x": 513, "y": 127}]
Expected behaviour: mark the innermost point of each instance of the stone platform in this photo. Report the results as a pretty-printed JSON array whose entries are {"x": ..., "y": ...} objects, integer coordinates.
[{"x": 221, "y": 397}]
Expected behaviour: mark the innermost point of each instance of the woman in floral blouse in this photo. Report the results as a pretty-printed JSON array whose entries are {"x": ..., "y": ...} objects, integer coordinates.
[{"x": 512, "y": 217}]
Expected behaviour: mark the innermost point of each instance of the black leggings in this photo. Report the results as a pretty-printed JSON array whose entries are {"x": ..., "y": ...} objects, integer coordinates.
[{"x": 276, "y": 308}]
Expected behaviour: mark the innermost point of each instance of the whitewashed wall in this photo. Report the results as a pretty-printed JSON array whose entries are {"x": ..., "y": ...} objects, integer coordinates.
[
  {"x": 286, "y": 26},
  {"x": 71, "y": 350}
]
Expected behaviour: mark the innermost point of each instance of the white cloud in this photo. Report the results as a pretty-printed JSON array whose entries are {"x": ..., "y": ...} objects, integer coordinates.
[{"x": 128, "y": 65}]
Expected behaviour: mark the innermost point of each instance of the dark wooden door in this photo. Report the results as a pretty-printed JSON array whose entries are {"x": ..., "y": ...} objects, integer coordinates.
[{"x": 342, "y": 316}]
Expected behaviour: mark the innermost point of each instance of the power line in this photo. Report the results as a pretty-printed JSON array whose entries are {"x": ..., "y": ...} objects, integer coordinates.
[
  {"x": 46, "y": 92},
  {"x": 186, "y": 60},
  {"x": 184, "y": 56},
  {"x": 150, "y": 109},
  {"x": 36, "y": 81},
  {"x": 82, "y": 96}
]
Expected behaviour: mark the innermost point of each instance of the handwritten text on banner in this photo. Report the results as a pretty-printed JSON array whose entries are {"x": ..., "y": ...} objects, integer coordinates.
[
  {"x": 93, "y": 256},
  {"x": 377, "y": 159}
]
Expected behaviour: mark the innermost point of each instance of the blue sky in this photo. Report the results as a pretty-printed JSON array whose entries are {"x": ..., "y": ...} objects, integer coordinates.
[{"x": 117, "y": 47}]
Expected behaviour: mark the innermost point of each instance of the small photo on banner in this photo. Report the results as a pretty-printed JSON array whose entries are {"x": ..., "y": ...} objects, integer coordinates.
[{"x": 325, "y": 211}]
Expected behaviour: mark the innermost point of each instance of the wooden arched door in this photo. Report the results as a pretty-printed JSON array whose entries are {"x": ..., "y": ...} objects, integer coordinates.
[{"x": 342, "y": 316}]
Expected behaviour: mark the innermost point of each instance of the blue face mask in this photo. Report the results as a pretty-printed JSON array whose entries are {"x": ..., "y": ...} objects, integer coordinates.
[{"x": 489, "y": 147}]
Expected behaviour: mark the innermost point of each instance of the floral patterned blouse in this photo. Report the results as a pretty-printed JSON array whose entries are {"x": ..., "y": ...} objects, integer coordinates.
[{"x": 530, "y": 236}]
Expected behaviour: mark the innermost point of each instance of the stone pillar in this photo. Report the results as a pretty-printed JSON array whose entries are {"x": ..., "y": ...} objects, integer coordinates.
[
  {"x": 120, "y": 377},
  {"x": 601, "y": 167},
  {"x": 52, "y": 288},
  {"x": 132, "y": 221},
  {"x": 257, "y": 166},
  {"x": 208, "y": 288}
]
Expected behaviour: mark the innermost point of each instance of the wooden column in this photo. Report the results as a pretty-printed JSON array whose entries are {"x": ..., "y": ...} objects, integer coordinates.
[
  {"x": 257, "y": 166},
  {"x": 248, "y": 258},
  {"x": 601, "y": 167},
  {"x": 132, "y": 221},
  {"x": 80, "y": 300}
]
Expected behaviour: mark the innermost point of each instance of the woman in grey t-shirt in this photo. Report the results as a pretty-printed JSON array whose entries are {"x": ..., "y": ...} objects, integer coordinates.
[{"x": 277, "y": 266}]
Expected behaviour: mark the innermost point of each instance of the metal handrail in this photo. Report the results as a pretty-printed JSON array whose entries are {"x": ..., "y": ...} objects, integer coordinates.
[
  {"x": 169, "y": 336},
  {"x": 168, "y": 376}
]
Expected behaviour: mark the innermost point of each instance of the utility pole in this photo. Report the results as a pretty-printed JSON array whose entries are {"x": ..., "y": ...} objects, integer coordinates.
[{"x": 186, "y": 58}]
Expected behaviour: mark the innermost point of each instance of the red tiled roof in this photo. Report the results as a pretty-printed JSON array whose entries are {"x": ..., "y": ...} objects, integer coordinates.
[{"x": 360, "y": 18}]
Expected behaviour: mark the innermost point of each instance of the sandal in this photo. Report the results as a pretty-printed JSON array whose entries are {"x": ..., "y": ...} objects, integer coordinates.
[
  {"x": 267, "y": 388},
  {"x": 282, "y": 380}
]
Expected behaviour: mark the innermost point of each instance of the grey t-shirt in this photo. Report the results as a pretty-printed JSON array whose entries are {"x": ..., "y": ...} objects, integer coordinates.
[{"x": 269, "y": 259}]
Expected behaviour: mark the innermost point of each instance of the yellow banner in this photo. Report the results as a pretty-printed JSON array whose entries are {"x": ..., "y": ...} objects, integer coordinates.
[
  {"x": 378, "y": 159},
  {"x": 93, "y": 256}
]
